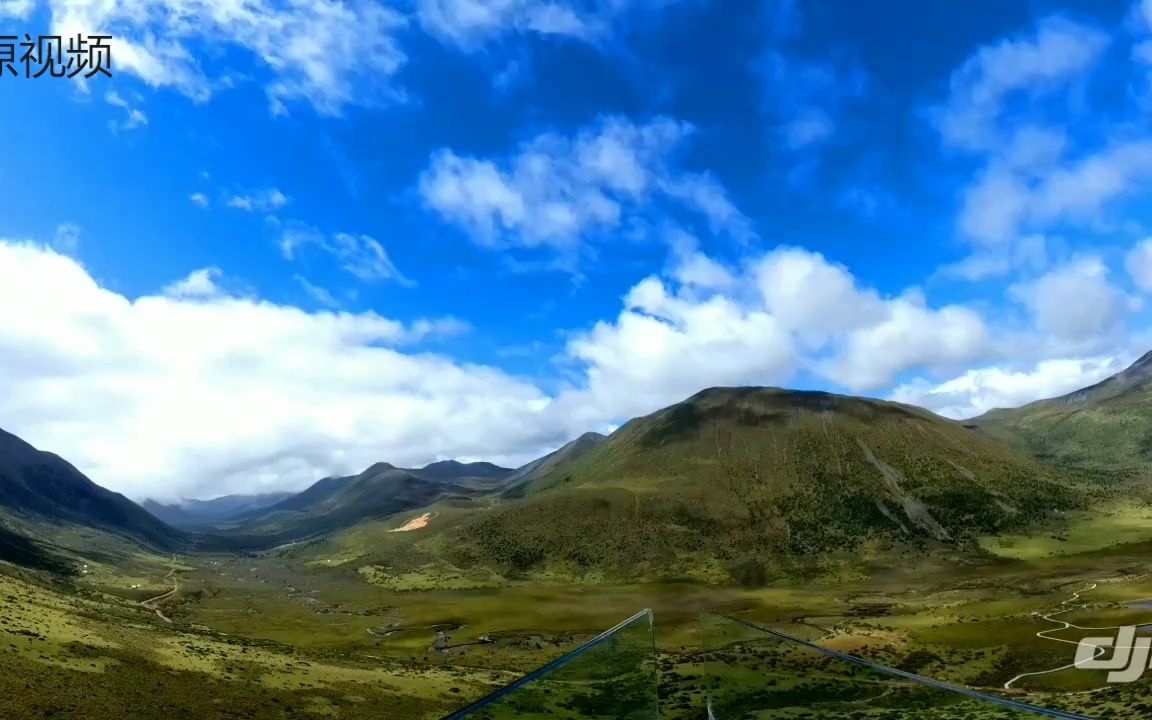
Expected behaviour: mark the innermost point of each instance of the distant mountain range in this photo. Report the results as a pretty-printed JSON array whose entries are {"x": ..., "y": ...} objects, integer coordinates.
[
  {"x": 329, "y": 498},
  {"x": 381, "y": 490},
  {"x": 1106, "y": 426},
  {"x": 728, "y": 477},
  {"x": 200, "y": 513}
]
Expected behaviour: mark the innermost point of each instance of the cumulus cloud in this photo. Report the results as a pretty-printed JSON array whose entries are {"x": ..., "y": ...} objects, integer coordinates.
[
  {"x": 1029, "y": 254},
  {"x": 693, "y": 269},
  {"x": 1075, "y": 301},
  {"x": 982, "y": 389},
  {"x": 558, "y": 190},
  {"x": 19, "y": 9},
  {"x": 199, "y": 199},
  {"x": 1004, "y": 200},
  {"x": 1138, "y": 263},
  {"x": 1010, "y": 107},
  {"x": 1034, "y": 64},
  {"x": 328, "y": 53},
  {"x": 197, "y": 393},
  {"x": 665, "y": 346},
  {"x": 201, "y": 283},
  {"x": 785, "y": 311}
]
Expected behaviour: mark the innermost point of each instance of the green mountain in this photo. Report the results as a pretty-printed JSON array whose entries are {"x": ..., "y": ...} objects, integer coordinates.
[
  {"x": 198, "y": 513},
  {"x": 40, "y": 491},
  {"x": 551, "y": 468},
  {"x": 337, "y": 503},
  {"x": 452, "y": 470},
  {"x": 734, "y": 476},
  {"x": 1106, "y": 426}
]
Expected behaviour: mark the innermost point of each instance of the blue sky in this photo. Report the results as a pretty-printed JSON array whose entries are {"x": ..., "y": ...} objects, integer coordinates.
[{"x": 518, "y": 220}]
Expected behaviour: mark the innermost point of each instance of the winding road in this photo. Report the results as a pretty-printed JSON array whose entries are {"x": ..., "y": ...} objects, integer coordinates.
[
  {"x": 1065, "y": 625},
  {"x": 151, "y": 603}
]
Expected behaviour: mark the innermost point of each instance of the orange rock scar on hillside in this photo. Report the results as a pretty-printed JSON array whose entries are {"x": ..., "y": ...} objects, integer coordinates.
[{"x": 414, "y": 524}]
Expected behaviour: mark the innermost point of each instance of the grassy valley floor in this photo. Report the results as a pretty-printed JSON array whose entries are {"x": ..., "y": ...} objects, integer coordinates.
[{"x": 306, "y": 632}]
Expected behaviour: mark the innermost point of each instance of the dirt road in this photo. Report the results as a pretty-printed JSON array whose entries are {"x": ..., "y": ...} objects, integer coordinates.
[{"x": 151, "y": 603}]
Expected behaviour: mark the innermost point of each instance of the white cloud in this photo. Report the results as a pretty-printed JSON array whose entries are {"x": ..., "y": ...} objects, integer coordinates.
[
  {"x": 134, "y": 117},
  {"x": 365, "y": 258},
  {"x": 261, "y": 201},
  {"x": 1138, "y": 263},
  {"x": 470, "y": 23},
  {"x": 1075, "y": 301},
  {"x": 1012, "y": 106},
  {"x": 664, "y": 347},
  {"x": 812, "y": 297},
  {"x": 556, "y": 191},
  {"x": 788, "y": 310},
  {"x": 328, "y": 53},
  {"x": 1057, "y": 53},
  {"x": 982, "y": 389},
  {"x": 1004, "y": 201},
  {"x": 199, "y": 199},
  {"x": 201, "y": 283},
  {"x": 693, "y": 269},
  {"x": 19, "y": 9},
  {"x": 361, "y": 255},
  {"x": 179, "y": 394},
  {"x": 317, "y": 293},
  {"x": 1029, "y": 254},
  {"x": 874, "y": 338},
  {"x": 173, "y": 396},
  {"x": 911, "y": 335}
]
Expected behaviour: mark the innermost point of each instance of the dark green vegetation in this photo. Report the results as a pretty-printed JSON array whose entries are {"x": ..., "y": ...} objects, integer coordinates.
[
  {"x": 1107, "y": 426},
  {"x": 752, "y": 482},
  {"x": 21, "y": 550},
  {"x": 877, "y": 528},
  {"x": 554, "y": 465},
  {"x": 41, "y": 488},
  {"x": 336, "y": 503}
]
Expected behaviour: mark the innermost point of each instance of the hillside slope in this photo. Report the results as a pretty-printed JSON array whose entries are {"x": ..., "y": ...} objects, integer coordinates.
[
  {"x": 740, "y": 475},
  {"x": 336, "y": 503},
  {"x": 41, "y": 489},
  {"x": 1106, "y": 426},
  {"x": 551, "y": 468},
  {"x": 197, "y": 513}
]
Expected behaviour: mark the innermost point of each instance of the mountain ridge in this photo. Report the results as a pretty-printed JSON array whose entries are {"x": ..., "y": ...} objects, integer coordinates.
[
  {"x": 1101, "y": 427},
  {"x": 743, "y": 477},
  {"x": 41, "y": 486}
]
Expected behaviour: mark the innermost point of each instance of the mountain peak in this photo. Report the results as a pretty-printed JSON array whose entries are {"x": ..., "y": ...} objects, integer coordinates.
[
  {"x": 377, "y": 468},
  {"x": 1143, "y": 365},
  {"x": 39, "y": 484},
  {"x": 1138, "y": 374},
  {"x": 455, "y": 470}
]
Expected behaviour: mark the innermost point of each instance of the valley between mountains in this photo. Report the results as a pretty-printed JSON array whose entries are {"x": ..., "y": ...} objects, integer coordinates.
[{"x": 877, "y": 528}]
